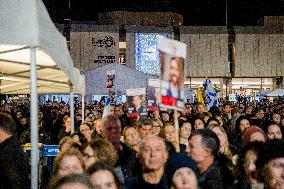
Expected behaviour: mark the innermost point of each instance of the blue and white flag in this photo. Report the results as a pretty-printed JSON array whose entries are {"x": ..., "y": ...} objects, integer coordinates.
[
  {"x": 107, "y": 107},
  {"x": 211, "y": 98}
]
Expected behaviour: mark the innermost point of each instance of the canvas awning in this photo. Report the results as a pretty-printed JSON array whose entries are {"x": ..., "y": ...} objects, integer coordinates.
[
  {"x": 33, "y": 53},
  {"x": 125, "y": 78},
  {"x": 26, "y": 24},
  {"x": 276, "y": 93}
]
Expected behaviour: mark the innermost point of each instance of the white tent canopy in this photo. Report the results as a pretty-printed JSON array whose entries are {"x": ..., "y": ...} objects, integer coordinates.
[
  {"x": 276, "y": 93},
  {"x": 34, "y": 57},
  {"x": 125, "y": 78},
  {"x": 26, "y": 24}
]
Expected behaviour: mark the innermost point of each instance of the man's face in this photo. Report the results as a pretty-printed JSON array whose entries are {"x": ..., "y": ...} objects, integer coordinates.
[
  {"x": 275, "y": 173},
  {"x": 136, "y": 101},
  {"x": 197, "y": 152},
  {"x": 174, "y": 72},
  {"x": 145, "y": 130},
  {"x": 154, "y": 154},
  {"x": 260, "y": 114},
  {"x": 274, "y": 132}
]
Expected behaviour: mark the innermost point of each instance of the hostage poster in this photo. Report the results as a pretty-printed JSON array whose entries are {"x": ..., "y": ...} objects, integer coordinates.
[
  {"x": 172, "y": 56},
  {"x": 136, "y": 99}
]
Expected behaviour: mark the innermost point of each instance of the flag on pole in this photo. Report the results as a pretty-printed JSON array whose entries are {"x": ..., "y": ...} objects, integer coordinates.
[
  {"x": 211, "y": 95},
  {"x": 107, "y": 107},
  {"x": 199, "y": 95}
]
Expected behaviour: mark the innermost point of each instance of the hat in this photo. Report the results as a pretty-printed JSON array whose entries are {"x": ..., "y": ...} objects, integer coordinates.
[
  {"x": 179, "y": 160},
  {"x": 270, "y": 150}
]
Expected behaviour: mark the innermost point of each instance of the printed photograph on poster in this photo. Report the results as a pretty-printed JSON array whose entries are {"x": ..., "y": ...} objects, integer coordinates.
[
  {"x": 153, "y": 94},
  {"x": 136, "y": 99},
  {"x": 110, "y": 78},
  {"x": 172, "y": 56}
]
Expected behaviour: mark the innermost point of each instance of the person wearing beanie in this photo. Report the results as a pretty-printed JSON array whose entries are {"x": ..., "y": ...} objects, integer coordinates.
[
  {"x": 252, "y": 133},
  {"x": 182, "y": 171},
  {"x": 270, "y": 164}
]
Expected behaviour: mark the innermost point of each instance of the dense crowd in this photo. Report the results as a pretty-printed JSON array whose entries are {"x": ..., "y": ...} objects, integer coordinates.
[{"x": 236, "y": 145}]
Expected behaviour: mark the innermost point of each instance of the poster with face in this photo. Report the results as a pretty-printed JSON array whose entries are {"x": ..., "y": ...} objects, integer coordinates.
[
  {"x": 172, "y": 56},
  {"x": 153, "y": 94},
  {"x": 110, "y": 78},
  {"x": 136, "y": 99}
]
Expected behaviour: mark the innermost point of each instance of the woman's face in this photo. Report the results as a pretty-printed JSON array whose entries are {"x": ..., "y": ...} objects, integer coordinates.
[
  {"x": 156, "y": 128},
  {"x": 184, "y": 178},
  {"x": 70, "y": 165},
  {"x": 250, "y": 167},
  {"x": 132, "y": 137},
  {"x": 276, "y": 118},
  {"x": 89, "y": 156},
  {"x": 185, "y": 131},
  {"x": 200, "y": 108},
  {"x": 222, "y": 138},
  {"x": 86, "y": 131},
  {"x": 244, "y": 123},
  {"x": 198, "y": 124},
  {"x": 103, "y": 179},
  {"x": 170, "y": 133}
]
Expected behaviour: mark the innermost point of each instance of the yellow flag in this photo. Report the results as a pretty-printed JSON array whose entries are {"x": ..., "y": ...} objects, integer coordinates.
[
  {"x": 254, "y": 98},
  {"x": 199, "y": 95}
]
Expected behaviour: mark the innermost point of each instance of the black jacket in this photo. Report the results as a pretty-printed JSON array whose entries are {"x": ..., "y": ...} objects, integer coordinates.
[
  {"x": 139, "y": 183},
  {"x": 212, "y": 178},
  {"x": 14, "y": 165}
]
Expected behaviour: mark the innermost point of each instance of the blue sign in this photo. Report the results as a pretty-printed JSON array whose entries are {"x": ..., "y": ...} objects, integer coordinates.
[{"x": 50, "y": 150}]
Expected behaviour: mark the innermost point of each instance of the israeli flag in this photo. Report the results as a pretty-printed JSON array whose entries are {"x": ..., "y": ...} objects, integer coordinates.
[
  {"x": 211, "y": 98},
  {"x": 106, "y": 109}
]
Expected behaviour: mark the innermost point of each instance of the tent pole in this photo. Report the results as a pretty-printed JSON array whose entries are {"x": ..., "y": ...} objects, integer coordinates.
[
  {"x": 83, "y": 107},
  {"x": 72, "y": 109},
  {"x": 34, "y": 121}
]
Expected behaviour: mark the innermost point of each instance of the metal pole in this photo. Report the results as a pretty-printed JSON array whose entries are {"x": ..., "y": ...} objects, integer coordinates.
[
  {"x": 83, "y": 107},
  {"x": 34, "y": 121},
  {"x": 72, "y": 109},
  {"x": 226, "y": 13},
  {"x": 260, "y": 85},
  {"x": 177, "y": 130}
]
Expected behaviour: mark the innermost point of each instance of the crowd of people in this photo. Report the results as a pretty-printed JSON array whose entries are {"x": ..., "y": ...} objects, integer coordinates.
[{"x": 230, "y": 146}]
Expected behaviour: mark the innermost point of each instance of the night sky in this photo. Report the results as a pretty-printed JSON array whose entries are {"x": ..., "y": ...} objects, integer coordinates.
[{"x": 199, "y": 12}]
